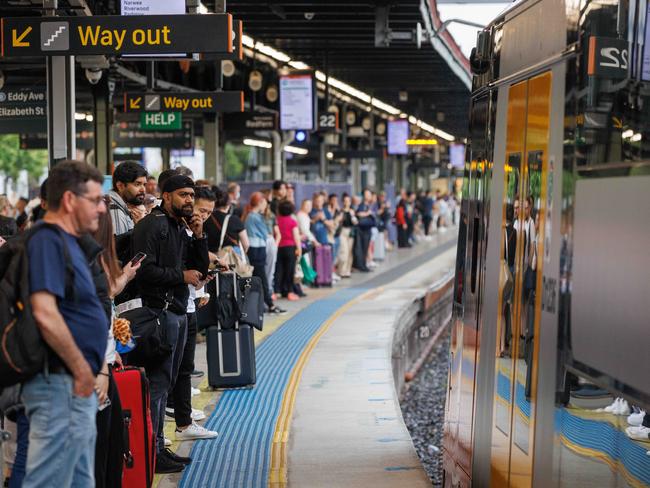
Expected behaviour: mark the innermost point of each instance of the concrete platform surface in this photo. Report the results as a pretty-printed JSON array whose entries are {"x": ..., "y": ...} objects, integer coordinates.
[{"x": 347, "y": 429}]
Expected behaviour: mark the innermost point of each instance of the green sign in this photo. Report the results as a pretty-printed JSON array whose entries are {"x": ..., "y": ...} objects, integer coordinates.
[
  {"x": 161, "y": 121},
  {"x": 116, "y": 35}
]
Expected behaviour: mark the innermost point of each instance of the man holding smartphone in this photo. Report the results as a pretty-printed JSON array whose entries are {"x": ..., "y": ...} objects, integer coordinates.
[
  {"x": 181, "y": 394},
  {"x": 162, "y": 285}
]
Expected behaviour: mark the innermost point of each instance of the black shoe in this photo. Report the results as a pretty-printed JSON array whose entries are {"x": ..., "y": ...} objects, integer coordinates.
[
  {"x": 176, "y": 458},
  {"x": 165, "y": 465},
  {"x": 197, "y": 374},
  {"x": 275, "y": 310}
]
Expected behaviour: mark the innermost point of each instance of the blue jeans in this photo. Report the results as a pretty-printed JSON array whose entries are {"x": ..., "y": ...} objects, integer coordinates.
[{"x": 62, "y": 433}]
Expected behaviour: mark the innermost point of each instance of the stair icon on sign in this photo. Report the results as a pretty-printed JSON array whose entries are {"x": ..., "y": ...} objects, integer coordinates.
[{"x": 55, "y": 36}]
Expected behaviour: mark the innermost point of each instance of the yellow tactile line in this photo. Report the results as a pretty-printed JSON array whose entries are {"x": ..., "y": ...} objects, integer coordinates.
[
  {"x": 201, "y": 401},
  {"x": 279, "y": 459}
]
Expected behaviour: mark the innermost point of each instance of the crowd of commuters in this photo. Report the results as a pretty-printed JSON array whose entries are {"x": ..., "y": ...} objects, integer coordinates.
[{"x": 175, "y": 227}]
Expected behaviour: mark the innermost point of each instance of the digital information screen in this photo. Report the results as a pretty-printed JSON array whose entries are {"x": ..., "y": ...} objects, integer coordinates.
[
  {"x": 457, "y": 155},
  {"x": 153, "y": 7},
  {"x": 297, "y": 103},
  {"x": 398, "y": 133}
]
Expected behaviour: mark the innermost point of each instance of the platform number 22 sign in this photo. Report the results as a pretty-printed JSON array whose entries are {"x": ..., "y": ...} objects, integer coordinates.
[{"x": 608, "y": 57}]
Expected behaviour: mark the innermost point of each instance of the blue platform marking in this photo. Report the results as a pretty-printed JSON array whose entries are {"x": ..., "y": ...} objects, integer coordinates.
[
  {"x": 245, "y": 419},
  {"x": 596, "y": 436}
]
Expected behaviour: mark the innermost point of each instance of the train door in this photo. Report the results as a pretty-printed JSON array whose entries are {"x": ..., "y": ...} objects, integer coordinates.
[
  {"x": 467, "y": 297},
  {"x": 519, "y": 304}
]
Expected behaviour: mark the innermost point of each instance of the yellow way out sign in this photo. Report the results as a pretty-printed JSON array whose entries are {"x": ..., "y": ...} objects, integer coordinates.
[
  {"x": 230, "y": 101},
  {"x": 116, "y": 35}
]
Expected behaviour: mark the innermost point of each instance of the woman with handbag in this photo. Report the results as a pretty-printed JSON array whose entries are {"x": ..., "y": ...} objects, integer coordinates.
[
  {"x": 346, "y": 245},
  {"x": 235, "y": 235},
  {"x": 257, "y": 233}
]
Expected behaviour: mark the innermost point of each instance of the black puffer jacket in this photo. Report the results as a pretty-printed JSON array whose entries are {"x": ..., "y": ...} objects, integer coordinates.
[{"x": 170, "y": 251}]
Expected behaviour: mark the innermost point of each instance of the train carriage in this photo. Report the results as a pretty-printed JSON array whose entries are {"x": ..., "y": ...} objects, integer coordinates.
[{"x": 552, "y": 292}]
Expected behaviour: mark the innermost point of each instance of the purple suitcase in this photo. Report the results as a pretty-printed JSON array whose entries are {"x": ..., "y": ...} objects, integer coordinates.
[{"x": 323, "y": 265}]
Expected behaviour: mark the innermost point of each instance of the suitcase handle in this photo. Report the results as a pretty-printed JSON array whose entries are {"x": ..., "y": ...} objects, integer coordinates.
[{"x": 128, "y": 455}]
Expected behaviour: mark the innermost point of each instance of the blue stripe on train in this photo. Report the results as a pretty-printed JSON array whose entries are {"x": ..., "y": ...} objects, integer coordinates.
[{"x": 600, "y": 436}]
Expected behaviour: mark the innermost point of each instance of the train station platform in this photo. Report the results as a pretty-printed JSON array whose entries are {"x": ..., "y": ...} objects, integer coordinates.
[{"x": 324, "y": 411}]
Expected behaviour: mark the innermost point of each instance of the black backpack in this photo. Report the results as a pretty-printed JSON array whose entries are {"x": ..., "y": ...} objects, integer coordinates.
[{"x": 23, "y": 352}]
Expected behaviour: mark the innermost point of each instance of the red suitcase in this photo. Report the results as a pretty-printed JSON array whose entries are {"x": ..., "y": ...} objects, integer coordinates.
[
  {"x": 139, "y": 463},
  {"x": 323, "y": 265}
]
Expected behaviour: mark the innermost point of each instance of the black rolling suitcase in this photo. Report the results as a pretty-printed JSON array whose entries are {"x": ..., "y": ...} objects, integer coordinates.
[{"x": 230, "y": 351}]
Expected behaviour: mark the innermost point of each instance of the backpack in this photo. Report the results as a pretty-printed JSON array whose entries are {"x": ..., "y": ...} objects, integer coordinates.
[{"x": 23, "y": 353}]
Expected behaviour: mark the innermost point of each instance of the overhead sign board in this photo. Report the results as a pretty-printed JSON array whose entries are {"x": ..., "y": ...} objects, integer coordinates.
[
  {"x": 129, "y": 134},
  {"x": 23, "y": 102},
  {"x": 161, "y": 121},
  {"x": 398, "y": 133},
  {"x": 328, "y": 122},
  {"x": 608, "y": 57},
  {"x": 38, "y": 140},
  {"x": 152, "y": 7},
  {"x": 250, "y": 122},
  {"x": 184, "y": 102},
  {"x": 116, "y": 35},
  {"x": 297, "y": 102}
]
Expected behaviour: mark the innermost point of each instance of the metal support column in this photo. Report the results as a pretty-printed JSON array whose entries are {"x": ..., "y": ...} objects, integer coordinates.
[
  {"x": 102, "y": 119},
  {"x": 324, "y": 170},
  {"x": 213, "y": 170},
  {"x": 61, "y": 133}
]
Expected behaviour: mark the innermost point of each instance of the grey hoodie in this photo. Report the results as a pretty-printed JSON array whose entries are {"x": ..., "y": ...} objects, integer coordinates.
[{"x": 120, "y": 215}]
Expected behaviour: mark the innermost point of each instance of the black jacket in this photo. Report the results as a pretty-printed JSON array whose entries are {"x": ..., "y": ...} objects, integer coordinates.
[{"x": 170, "y": 251}]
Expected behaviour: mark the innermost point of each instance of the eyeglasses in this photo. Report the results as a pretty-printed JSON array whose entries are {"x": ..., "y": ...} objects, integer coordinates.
[{"x": 97, "y": 201}]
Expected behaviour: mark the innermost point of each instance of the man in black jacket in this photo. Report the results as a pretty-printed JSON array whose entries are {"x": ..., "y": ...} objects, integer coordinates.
[{"x": 162, "y": 286}]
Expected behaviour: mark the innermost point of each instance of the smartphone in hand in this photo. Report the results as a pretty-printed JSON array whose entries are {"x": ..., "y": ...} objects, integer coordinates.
[{"x": 138, "y": 258}]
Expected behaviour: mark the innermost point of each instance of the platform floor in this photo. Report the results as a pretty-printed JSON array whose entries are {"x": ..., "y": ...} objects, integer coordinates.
[{"x": 269, "y": 435}]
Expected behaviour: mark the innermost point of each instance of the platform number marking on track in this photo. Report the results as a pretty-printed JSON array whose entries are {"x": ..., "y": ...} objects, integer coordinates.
[{"x": 55, "y": 36}]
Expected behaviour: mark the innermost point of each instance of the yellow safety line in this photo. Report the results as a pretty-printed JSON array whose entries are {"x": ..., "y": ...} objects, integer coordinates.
[
  {"x": 201, "y": 401},
  {"x": 615, "y": 465},
  {"x": 279, "y": 459}
]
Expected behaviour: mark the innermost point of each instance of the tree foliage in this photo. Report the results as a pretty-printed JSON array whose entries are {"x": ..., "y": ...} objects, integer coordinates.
[
  {"x": 13, "y": 160},
  {"x": 236, "y": 160}
]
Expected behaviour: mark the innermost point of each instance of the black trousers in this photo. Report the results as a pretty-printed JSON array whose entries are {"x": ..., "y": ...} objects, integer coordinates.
[
  {"x": 285, "y": 269},
  {"x": 257, "y": 258},
  {"x": 402, "y": 237},
  {"x": 426, "y": 221},
  {"x": 361, "y": 246},
  {"x": 181, "y": 397},
  {"x": 109, "y": 449}
]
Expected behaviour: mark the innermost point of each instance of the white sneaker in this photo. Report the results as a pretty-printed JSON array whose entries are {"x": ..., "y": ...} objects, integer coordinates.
[
  {"x": 195, "y": 391},
  {"x": 335, "y": 277},
  {"x": 636, "y": 419},
  {"x": 197, "y": 414},
  {"x": 638, "y": 433},
  {"x": 195, "y": 431},
  {"x": 623, "y": 408},
  {"x": 167, "y": 442}
]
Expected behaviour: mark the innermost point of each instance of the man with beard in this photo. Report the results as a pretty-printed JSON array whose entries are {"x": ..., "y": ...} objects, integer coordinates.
[
  {"x": 162, "y": 286},
  {"x": 127, "y": 196}
]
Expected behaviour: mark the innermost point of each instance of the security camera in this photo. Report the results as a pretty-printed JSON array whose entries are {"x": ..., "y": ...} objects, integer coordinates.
[
  {"x": 309, "y": 15},
  {"x": 94, "y": 75}
]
